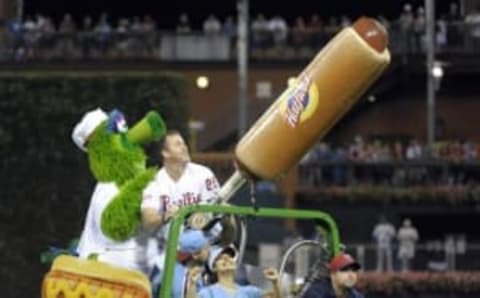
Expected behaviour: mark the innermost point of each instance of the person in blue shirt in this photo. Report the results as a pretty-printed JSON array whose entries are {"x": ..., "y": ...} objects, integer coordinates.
[
  {"x": 223, "y": 264},
  {"x": 192, "y": 256},
  {"x": 343, "y": 277}
]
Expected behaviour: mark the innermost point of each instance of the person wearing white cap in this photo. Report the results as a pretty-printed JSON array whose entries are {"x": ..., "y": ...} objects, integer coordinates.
[
  {"x": 112, "y": 166},
  {"x": 222, "y": 262},
  {"x": 84, "y": 129},
  {"x": 93, "y": 242}
]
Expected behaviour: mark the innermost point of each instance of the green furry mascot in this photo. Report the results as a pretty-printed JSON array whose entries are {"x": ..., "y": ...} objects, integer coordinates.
[{"x": 118, "y": 163}]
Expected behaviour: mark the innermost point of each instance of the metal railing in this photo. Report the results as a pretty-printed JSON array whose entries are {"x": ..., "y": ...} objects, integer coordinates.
[
  {"x": 325, "y": 224},
  {"x": 435, "y": 255},
  {"x": 22, "y": 45},
  {"x": 392, "y": 173}
]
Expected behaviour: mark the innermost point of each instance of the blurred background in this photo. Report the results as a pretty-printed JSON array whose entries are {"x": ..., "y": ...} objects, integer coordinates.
[{"x": 407, "y": 155}]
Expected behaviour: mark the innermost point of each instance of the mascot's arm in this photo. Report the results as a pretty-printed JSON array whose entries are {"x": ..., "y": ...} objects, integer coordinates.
[{"x": 122, "y": 216}]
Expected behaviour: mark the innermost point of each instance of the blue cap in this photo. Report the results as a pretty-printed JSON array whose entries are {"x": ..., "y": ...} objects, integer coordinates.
[
  {"x": 191, "y": 241},
  {"x": 116, "y": 122}
]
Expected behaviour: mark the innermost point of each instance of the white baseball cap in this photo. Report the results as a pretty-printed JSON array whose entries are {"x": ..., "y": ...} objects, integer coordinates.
[{"x": 86, "y": 126}]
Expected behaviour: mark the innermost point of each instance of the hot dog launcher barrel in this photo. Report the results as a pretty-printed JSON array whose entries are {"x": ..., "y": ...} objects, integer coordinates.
[{"x": 323, "y": 92}]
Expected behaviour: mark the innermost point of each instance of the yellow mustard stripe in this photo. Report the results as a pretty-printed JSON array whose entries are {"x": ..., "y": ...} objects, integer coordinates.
[
  {"x": 101, "y": 271},
  {"x": 66, "y": 287}
]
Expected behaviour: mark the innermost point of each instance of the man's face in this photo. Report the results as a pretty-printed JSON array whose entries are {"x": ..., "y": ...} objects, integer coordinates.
[
  {"x": 175, "y": 149},
  {"x": 346, "y": 278}
]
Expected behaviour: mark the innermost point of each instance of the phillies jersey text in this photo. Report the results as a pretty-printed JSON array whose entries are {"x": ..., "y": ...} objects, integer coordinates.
[{"x": 197, "y": 185}]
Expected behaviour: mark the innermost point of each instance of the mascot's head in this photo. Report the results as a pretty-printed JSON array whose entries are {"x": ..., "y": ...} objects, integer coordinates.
[{"x": 114, "y": 151}]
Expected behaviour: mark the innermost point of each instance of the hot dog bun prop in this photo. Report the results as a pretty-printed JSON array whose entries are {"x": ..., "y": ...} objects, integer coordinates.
[
  {"x": 323, "y": 92},
  {"x": 71, "y": 277}
]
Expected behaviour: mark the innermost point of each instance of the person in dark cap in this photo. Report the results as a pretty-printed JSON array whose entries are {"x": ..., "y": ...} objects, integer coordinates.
[
  {"x": 340, "y": 284},
  {"x": 222, "y": 263}
]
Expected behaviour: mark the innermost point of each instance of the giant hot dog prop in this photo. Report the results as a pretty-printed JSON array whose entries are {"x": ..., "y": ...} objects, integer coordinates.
[{"x": 325, "y": 90}]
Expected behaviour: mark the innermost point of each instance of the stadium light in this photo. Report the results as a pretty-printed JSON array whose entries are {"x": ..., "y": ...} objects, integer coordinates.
[
  {"x": 202, "y": 82},
  {"x": 437, "y": 70}
]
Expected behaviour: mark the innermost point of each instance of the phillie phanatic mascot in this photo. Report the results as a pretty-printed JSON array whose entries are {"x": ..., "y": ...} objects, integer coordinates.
[
  {"x": 118, "y": 163},
  {"x": 113, "y": 222}
]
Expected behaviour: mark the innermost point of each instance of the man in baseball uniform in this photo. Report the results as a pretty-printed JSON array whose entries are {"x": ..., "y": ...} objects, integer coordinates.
[
  {"x": 384, "y": 234},
  {"x": 180, "y": 182},
  {"x": 407, "y": 237}
]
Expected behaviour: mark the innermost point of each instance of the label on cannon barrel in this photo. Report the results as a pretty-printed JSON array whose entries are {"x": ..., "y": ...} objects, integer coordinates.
[{"x": 300, "y": 100}]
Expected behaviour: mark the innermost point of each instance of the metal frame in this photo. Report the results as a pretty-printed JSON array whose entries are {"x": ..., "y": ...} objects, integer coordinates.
[{"x": 324, "y": 222}]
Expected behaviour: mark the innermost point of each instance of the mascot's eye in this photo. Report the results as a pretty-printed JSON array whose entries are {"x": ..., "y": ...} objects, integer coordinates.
[{"x": 116, "y": 122}]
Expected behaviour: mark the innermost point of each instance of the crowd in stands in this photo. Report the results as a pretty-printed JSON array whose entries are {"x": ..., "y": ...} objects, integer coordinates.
[
  {"x": 38, "y": 37},
  {"x": 275, "y": 36},
  {"x": 375, "y": 150},
  {"x": 393, "y": 163}
]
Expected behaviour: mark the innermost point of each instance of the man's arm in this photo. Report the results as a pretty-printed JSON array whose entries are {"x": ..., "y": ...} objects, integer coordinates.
[
  {"x": 154, "y": 211},
  {"x": 194, "y": 275},
  {"x": 152, "y": 219},
  {"x": 272, "y": 275},
  {"x": 209, "y": 186}
]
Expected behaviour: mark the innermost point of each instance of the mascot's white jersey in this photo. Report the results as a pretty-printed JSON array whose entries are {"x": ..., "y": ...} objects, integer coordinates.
[
  {"x": 93, "y": 241},
  {"x": 197, "y": 185}
]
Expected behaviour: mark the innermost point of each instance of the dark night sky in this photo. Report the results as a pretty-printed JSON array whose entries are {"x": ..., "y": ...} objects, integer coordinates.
[{"x": 198, "y": 10}]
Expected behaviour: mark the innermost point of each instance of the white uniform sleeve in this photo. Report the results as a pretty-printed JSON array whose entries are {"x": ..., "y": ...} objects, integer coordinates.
[
  {"x": 150, "y": 197},
  {"x": 209, "y": 186}
]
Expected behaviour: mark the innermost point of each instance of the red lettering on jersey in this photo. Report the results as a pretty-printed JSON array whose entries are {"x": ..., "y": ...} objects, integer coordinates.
[
  {"x": 191, "y": 198},
  {"x": 188, "y": 198},
  {"x": 165, "y": 201}
]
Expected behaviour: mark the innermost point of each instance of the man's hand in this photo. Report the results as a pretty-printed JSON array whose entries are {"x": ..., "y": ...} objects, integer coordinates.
[
  {"x": 271, "y": 274},
  {"x": 171, "y": 211},
  {"x": 195, "y": 273}
]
